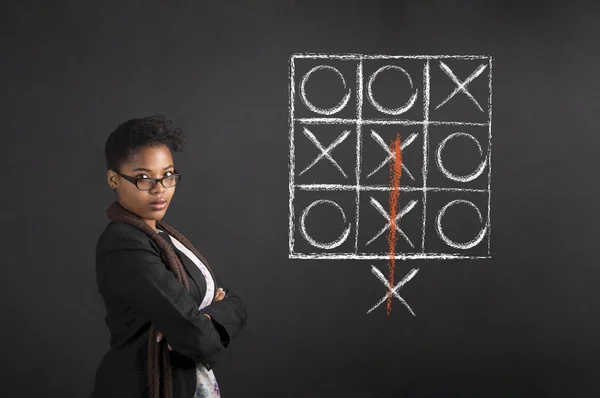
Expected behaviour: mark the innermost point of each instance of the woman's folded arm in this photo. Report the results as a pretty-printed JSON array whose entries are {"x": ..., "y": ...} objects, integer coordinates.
[
  {"x": 132, "y": 269},
  {"x": 228, "y": 314}
]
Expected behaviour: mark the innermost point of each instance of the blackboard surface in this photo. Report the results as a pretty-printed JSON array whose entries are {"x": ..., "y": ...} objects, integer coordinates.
[{"x": 519, "y": 320}]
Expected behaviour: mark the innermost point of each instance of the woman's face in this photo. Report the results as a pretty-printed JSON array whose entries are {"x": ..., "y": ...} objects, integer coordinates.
[{"x": 146, "y": 163}]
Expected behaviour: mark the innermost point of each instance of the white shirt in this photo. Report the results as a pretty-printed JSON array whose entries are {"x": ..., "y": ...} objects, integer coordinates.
[{"x": 206, "y": 383}]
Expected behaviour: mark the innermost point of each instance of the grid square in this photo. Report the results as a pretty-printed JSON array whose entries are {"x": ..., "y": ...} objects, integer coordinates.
[
  {"x": 345, "y": 109},
  {"x": 325, "y": 88},
  {"x": 325, "y": 154},
  {"x": 462, "y": 91},
  {"x": 374, "y": 223},
  {"x": 325, "y": 222},
  {"x": 375, "y": 158},
  {"x": 457, "y": 223},
  {"x": 458, "y": 157},
  {"x": 393, "y": 89}
]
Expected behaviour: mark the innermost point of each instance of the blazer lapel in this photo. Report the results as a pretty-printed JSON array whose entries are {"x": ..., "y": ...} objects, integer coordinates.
[
  {"x": 192, "y": 269},
  {"x": 191, "y": 272}
]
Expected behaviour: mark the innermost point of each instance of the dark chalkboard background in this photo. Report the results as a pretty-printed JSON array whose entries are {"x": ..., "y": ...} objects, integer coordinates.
[{"x": 521, "y": 324}]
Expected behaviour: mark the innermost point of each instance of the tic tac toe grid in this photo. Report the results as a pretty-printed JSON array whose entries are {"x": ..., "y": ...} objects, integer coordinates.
[{"x": 448, "y": 102}]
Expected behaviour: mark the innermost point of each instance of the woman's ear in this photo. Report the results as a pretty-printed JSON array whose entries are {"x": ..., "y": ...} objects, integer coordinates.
[{"x": 111, "y": 180}]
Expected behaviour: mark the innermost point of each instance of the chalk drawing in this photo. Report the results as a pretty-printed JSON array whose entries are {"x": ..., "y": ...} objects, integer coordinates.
[
  {"x": 397, "y": 218},
  {"x": 397, "y": 111},
  {"x": 432, "y": 126},
  {"x": 393, "y": 201},
  {"x": 390, "y": 153},
  {"x": 449, "y": 242},
  {"x": 469, "y": 177},
  {"x": 315, "y": 109},
  {"x": 325, "y": 152},
  {"x": 394, "y": 290},
  {"x": 461, "y": 86},
  {"x": 324, "y": 245}
]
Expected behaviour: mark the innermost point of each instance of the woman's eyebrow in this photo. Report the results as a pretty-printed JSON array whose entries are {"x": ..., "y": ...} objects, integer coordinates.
[{"x": 149, "y": 171}]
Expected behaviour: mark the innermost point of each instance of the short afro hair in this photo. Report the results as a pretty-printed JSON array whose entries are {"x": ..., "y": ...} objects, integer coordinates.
[{"x": 134, "y": 134}]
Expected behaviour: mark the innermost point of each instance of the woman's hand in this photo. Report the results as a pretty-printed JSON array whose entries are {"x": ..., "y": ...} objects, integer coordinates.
[
  {"x": 159, "y": 337},
  {"x": 220, "y": 295}
]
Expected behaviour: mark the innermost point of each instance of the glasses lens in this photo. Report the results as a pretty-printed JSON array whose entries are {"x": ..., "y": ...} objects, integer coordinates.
[
  {"x": 171, "y": 181},
  {"x": 145, "y": 183}
]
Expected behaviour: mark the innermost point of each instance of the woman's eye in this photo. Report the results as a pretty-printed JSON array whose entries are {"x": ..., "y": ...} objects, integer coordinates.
[{"x": 144, "y": 176}]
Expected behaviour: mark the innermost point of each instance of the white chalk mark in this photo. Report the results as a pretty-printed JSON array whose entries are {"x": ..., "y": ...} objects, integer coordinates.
[
  {"x": 392, "y": 154},
  {"x": 323, "y": 245},
  {"x": 440, "y": 123},
  {"x": 326, "y": 187},
  {"x": 449, "y": 189},
  {"x": 394, "y": 290},
  {"x": 324, "y": 111},
  {"x": 385, "y": 215},
  {"x": 448, "y": 241},
  {"x": 391, "y": 111},
  {"x": 326, "y": 120},
  {"x": 367, "y": 188},
  {"x": 489, "y": 207},
  {"x": 454, "y": 177},
  {"x": 350, "y": 56},
  {"x": 461, "y": 86},
  {"x": 292, "y": 94},
  {"x": 325, "y": 152},
  {"x": 425, "y": 167},
  {"x": 401, "y": 122},
  {"x": 384, "y": 256},
  {"x": 358, "y": 121},
  {"x": 359, "y": 102}
]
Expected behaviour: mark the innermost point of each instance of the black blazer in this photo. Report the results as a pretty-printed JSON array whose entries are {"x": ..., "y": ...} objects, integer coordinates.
[{"x": 138, "y": 289}]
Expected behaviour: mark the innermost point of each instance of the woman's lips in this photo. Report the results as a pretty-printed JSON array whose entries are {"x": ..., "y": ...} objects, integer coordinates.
[{"x": 158, "y": 205}]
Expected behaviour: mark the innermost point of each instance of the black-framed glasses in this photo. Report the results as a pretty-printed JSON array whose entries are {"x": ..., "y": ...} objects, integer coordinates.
[{"x": 146, "y": 184}]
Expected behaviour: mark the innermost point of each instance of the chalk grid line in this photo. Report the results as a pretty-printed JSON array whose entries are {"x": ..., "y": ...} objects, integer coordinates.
[{"x": 358, "y": 122}]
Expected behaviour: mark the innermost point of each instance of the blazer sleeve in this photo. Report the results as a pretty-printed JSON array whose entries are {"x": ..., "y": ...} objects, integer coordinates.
[
  {"x": 229, "y": 315},
  {"x": 130, "y": 267}
]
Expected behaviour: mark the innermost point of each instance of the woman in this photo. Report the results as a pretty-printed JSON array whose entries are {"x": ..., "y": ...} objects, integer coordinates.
[{"x": 169, "y": 317}]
